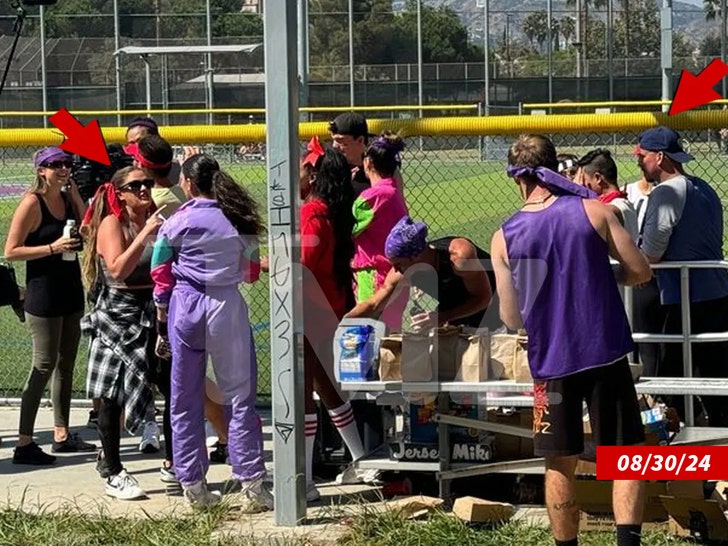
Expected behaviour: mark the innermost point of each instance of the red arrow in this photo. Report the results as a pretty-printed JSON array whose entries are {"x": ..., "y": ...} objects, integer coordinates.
[
  {"x": 85, "y": 141},
  {"x": 694, "y": 91}
]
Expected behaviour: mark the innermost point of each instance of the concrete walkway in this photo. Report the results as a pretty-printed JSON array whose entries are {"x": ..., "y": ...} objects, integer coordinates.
[{"x": 73, "y": 483}]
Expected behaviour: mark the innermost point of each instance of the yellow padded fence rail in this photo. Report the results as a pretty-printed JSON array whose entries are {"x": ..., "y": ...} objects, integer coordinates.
[
  {"x": 310, "y": 109},
  {"x": 605, "y": 104},
  {"x": 455, "y": 126}
]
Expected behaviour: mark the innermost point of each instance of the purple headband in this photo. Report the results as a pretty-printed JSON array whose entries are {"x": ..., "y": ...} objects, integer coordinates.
[
  {"x": 406, "y": 240},
  {"x": 555, "y": 182},
  {"x": 396, "y": 149},
  {"x": 50, "y": 155}
]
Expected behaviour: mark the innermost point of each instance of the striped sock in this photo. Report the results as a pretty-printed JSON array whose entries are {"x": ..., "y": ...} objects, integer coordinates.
[
  {"x": 311, "y": 427},
  {"x": 343, "y": 419}
]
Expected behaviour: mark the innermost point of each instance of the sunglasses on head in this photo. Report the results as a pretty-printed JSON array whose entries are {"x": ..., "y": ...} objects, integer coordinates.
[
  {"x": 137, "y": 185},
  {"x": 58, "y": 165}
]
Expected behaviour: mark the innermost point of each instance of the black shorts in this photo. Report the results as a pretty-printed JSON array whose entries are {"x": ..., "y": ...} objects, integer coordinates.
[{"x": 611, "y": 398}]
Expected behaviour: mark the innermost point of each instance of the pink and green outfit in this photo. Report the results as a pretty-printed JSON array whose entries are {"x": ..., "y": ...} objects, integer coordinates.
[{"x": 376, "y": 211}]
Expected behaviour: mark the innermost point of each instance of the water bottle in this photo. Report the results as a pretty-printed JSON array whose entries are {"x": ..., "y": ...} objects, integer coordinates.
[{"x": 70, "y": 231}]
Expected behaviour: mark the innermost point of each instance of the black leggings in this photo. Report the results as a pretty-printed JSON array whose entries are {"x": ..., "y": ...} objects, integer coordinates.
[
  {"x": 110, "y": 434},
  {"x": 163, "y": 384}
]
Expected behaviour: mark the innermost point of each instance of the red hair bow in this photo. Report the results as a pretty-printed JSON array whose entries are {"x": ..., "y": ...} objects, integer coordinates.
[
  {"x": 315, "y": 151},
  {"x": 107, "y": 192}
]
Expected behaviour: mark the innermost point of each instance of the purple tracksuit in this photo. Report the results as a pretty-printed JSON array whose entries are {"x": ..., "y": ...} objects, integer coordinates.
[{"x": 199, "y": 260}]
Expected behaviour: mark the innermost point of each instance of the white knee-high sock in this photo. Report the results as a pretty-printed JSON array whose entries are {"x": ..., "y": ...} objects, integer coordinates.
[
  {"x": 311, "y": 427},
  {"x": 343, "y": 419}
]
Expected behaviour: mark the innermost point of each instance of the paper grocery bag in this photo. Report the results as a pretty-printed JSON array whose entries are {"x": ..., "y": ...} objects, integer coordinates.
[
  {"x": 473, "y": 355},
  {"x": 508, "y": 353},
  {"x": 447, "y": 362},
  {"x": 390, "y": 358},
  {"x": 416, "y": 357}
]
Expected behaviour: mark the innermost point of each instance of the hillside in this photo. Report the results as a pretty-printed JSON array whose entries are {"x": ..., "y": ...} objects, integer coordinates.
[{"x": 688, "y": 15}]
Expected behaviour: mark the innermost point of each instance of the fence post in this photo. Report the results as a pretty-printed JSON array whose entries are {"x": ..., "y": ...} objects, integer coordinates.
[{"x": 686, "y": 348}]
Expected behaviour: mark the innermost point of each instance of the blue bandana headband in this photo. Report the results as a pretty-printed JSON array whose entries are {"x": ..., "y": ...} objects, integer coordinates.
[
  {"x": 406, "y": 240},
  {"x": 552, "y": 180}
]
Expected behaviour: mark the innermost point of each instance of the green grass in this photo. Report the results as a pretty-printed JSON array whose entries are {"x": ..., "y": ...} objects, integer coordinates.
[
  {"x": 71, "y": 528},
  {"x": 451, "y": 189}
]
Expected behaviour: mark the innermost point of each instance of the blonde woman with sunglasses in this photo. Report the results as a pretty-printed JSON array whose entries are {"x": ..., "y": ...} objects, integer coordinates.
[{"x": 53, "y": 300}]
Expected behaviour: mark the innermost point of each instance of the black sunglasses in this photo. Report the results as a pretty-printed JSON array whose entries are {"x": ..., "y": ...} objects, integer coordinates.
[
  {"x": 137, "y": 185},
  {"x": 59, "y": 165}
]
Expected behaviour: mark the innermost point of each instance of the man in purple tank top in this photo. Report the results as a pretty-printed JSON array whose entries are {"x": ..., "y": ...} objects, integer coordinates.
[{"x": 549, "y": 258}]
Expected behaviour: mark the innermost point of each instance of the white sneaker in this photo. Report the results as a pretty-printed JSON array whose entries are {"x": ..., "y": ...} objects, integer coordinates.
[
  {"x": 352, "y": 475},
  {"x": 150, "y": 438},
  {"x": 198, "y": 495},
  {"x": 255, "y": 497},
  {"x": 312, "y": 492},
  {"x": 210, "y": 435},
  {"x": 123, "y": 486},
  {"x": 167, "y": 475}
]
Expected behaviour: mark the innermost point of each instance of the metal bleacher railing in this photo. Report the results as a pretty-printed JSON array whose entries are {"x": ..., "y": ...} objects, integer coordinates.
[
  {"x": 453, "y": 170},
  {"x": 687, "y": 385}
]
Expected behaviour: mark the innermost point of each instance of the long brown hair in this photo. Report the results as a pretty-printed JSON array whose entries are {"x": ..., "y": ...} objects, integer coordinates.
[{"x": 100, "y": 210}]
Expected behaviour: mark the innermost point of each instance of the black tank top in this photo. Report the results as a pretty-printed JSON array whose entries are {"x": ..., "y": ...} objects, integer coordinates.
[
  {"x": 53, "y": 286},
  {"x": 449, "y": 289}
]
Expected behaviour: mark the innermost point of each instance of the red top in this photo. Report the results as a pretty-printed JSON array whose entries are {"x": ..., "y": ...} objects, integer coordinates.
[{"x": 317, "y": 257}]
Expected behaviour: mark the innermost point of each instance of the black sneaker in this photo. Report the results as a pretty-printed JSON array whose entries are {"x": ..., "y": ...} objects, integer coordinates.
[
  {"x": 32, "y": 454},
  {"x": 93, "y": 419},
  {"x": 219, "y": 455},
  {"x": 72, "y": 444}
]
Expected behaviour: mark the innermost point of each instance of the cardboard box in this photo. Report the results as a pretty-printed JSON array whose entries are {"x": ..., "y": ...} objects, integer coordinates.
[
  {"x": 605, "y": 523},
  {"x": 473, "y": 509},
  {"x": 508, "y": 447},
  {"x": 702, "y": 519},
  {"x": 595, "y": 497}
]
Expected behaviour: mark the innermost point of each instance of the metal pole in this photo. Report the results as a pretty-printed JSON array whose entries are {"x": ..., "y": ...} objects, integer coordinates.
[
  {"x": 666, "y": 52},
  {"x": 44, "y": 82},
  {"x": 419, "y": 61},
  {"x": 208, "y": 63},
  {"x": 686, "y": 349},
  {"x": 610, "y": 47},
  {"x": 303, "y": 54},
  {"x": 579, "y": 40},
  {"x": 117, "y": 61},
  {"x": 148, "y": 75},
  {"x": 486, "y": 53},
  {"x": 550, "y": 38},
  {"x": 723, "y": 8},
  {"x": 351, "y": 53},
  {"x": 287, "y": 378}
]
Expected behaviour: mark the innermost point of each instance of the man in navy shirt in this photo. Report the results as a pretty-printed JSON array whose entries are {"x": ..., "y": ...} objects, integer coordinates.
[{"x": 684, "y": 222}]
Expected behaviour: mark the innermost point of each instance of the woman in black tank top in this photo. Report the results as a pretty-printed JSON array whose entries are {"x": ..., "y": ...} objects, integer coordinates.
[{"x": 53, "y": 300}]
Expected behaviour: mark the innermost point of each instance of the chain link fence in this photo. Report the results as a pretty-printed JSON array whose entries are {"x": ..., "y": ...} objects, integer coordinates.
[{"x": 455, "y": 184}]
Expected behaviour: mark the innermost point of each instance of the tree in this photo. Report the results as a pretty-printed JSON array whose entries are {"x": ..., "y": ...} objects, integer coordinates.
[
  {"x": 710, "y": 45},
  {"x": 535, "y": 27},
  {"x": 567, "y": 26}
]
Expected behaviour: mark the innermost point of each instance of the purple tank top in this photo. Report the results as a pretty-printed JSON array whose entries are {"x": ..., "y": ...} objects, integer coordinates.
[{"x": 567, "y": 294}]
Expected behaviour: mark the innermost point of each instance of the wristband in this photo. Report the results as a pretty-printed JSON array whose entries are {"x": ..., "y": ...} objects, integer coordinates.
[{"x": 50, "y": 247}]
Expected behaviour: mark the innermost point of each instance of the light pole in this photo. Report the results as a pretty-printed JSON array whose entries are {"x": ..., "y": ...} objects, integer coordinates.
[
  {"x": 351, "y": 53},
  {"x": 208, "y": 62},
  {"x": 666, "y": 58},
  {"x": 117, "y": 60},
  {"x": 419, "y": 55},
  {"x": 44, "y": 82},
  {"x": 549, "y": 53},
  {"x": 486, "y": 53}
]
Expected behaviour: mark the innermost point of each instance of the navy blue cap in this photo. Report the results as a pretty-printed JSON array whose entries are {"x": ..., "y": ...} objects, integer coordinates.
[{"x": 665, "y": 140}]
